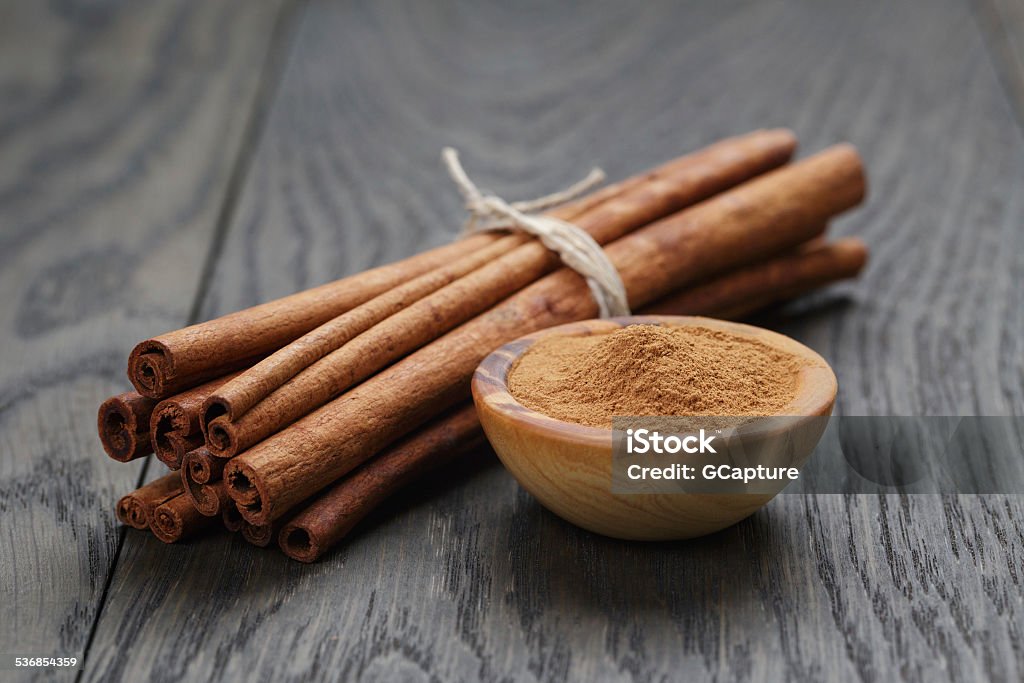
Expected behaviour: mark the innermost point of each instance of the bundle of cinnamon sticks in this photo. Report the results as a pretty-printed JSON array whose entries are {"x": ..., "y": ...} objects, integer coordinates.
[{"x": 291, "y": 420}]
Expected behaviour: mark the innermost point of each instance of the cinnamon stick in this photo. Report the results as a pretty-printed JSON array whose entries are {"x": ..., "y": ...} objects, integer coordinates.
[
  {"x": 202, "y": 467},
  {"x": 209, "y": 499},
  {"x": 334, "y": 513},
  {"x": 687, "y": 181},
  {"x": 172, "y": 362},
  {"x": 174, "y": 424},
  {"x": 201, "y": 478},
  {"x": 259, "y": 535},
  {"x": 177, "y": 519},
  {"x": 747, "y": 290},
  {"x": 763, "y": 217},
  {"x": 238, "y": 395},
  {"x": 123, "y": 424},
  {"x": 136, "y": 508},
  {"x": 230, "y": 516}
]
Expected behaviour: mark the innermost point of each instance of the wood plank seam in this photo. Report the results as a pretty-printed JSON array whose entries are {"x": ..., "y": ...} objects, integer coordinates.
[{"x": 272, "y": 72}]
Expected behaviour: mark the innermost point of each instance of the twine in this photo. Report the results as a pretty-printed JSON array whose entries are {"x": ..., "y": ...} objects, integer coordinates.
[{"x": 574, "y": 246}]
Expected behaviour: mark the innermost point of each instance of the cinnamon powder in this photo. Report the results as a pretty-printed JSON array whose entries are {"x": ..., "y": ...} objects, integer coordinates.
[{"x": 653, "y": 370}]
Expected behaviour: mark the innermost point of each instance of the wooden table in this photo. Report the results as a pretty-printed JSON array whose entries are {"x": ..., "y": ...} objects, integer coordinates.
[{"x": 167, "y": 162}]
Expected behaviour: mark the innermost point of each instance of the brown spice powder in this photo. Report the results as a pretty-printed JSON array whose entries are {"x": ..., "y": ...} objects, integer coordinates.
[{"x": 653, "y": 370}]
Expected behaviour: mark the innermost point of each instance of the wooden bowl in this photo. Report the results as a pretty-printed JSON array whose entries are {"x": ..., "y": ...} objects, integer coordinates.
[{"x": 568, "y": 466}]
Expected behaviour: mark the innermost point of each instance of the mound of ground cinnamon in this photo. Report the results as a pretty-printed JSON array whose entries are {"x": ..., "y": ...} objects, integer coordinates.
[{"x": 653, "y": 370}]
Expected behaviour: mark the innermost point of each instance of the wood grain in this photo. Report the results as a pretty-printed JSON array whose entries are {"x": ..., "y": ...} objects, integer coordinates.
[
  {"x": 1003, "y": 24},
  {"x": 119, "y": 129},
  {"x": 468, "y": 578}
]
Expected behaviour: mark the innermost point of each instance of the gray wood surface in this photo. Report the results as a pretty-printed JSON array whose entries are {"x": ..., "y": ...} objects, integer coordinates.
[
  {"x": 120, "y": 125},
  {"x": 467, "y": 578},
  {"x": 1003, "y": 23}
]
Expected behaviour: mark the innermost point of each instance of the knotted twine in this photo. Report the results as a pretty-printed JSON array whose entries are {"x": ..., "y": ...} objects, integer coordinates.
[{"x": 577, "y": 249}]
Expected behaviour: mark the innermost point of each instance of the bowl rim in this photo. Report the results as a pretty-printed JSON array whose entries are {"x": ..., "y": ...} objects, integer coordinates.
[{"x": 490, "y": 379}]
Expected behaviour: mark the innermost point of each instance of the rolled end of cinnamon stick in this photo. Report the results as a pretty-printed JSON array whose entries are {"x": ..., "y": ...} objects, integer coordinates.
[
  {"x": 298, "y": 543},
  {"x": 177, "y": 519},
  {"x": 222, "y": 438},
  {"x": 136, "y": 508},
  {"x": 201, "y": 477},
  {"x": 244, "y": 487},
  {"x": 209, "y": 499},
  {"x": 173, "y": 429},
  {"x": 202, "y": 466},
  {"x": 168, "y": 427},
  {"x": 123, "y": 426},
  {"x": 175, "y": 422},
  {"x": 150, "y": 370},
  {"x": 214, "y": 407},
  {"x": 230, "y": 516},
  {"x": 130, "y": 511},
  {"x": 172, "y": 447},
  {"x": 260, "y": 535}
]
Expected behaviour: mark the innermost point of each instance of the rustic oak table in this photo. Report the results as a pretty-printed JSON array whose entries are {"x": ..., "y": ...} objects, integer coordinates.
[{"x": 166, "y": 162}]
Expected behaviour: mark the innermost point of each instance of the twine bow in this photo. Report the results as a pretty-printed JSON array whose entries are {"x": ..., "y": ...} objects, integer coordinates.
[{"x": 574, "y": 246}]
